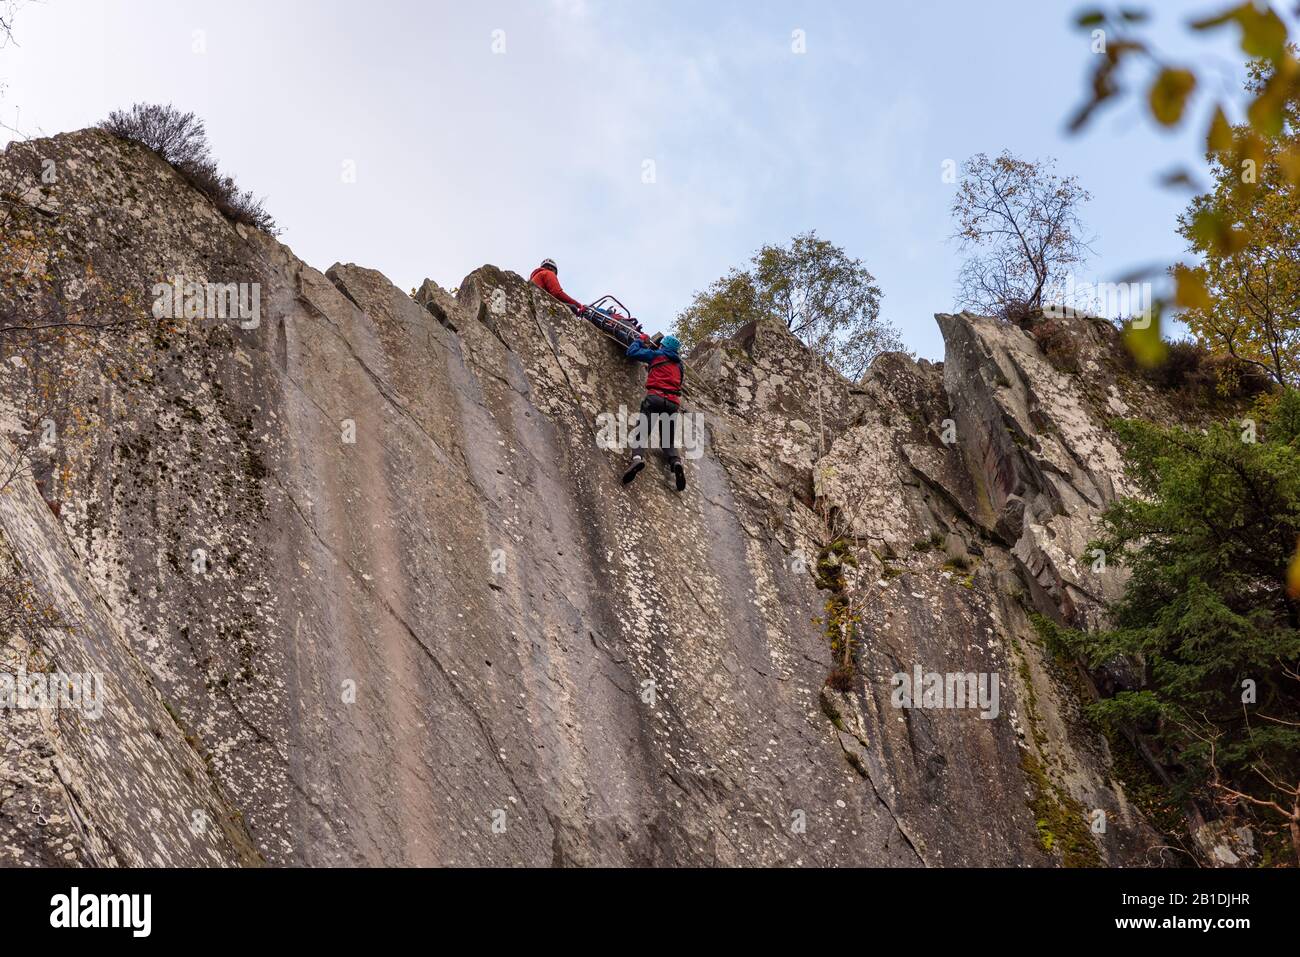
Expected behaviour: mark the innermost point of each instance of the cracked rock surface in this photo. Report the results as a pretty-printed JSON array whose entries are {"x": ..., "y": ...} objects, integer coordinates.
[{"x": 365, "y": 590}]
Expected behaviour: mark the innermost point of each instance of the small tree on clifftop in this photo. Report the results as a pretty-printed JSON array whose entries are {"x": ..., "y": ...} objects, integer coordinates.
[
  {"x": 831, "y": 302},
  {"x": 181, "y": 140},
  {"x": 1024, "y": 220}
]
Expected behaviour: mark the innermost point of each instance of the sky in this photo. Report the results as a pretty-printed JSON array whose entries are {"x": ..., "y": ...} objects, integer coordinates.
[{"x": 646, "y": 147}]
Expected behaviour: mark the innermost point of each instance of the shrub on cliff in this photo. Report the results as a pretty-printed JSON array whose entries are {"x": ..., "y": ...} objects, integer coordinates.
[
  {"x": 180, "y": 139},
  {"x": 1193, "y": 369},
  {"x": 1053, "y": 337}
]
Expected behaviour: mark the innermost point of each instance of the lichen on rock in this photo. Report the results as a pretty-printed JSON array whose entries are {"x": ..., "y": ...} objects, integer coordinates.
[{"x": 369, "y": 593}]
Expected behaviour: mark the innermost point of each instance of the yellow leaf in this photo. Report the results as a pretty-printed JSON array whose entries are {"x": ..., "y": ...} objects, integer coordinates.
[
  {"x": 1190, "y": 290},
  {"x": 1293, "y": 574},
  {"x": 1213, "y": 230},
  {"x": 1289, "y": 161},
  {"x": 1169, "y": 93},
  {"x": 1144, "y": 342},
  {"x": 1263, "y": 33},
  {"x": 1220, "y": 135},
  {"x": 1267, "y": 112}
]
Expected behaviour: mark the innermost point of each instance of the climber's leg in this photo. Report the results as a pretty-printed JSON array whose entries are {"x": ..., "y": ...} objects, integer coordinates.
[
  {"x": 672, "y": 426},
  {"x": 638, "y": 463},
  {"x": 638, "y": 438},
  {"x": 656, "y": 409},
  {"x": 664, "y": 415}
]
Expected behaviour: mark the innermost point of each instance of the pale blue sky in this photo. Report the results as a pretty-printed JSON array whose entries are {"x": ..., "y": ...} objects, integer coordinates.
[{"x": 465, "y": 155}]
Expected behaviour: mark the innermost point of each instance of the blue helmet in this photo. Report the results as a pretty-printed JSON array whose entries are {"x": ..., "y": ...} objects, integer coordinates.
[{"x": 670, "y": 344}]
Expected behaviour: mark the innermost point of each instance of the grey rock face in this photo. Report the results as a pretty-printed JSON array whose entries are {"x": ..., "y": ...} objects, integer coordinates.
[{"x": 366, "y": 590}]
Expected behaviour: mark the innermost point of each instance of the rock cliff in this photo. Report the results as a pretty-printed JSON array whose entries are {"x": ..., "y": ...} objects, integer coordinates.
[{"x": 363, "y": 588}]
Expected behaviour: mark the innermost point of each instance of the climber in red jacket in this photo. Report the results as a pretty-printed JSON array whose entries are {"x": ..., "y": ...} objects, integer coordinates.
[
  {"x": 662, "y": 403},
  {"x": 546, "y": 276}
]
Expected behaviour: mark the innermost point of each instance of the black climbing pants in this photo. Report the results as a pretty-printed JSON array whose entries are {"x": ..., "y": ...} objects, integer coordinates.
[{"x": 662, "y": 418}]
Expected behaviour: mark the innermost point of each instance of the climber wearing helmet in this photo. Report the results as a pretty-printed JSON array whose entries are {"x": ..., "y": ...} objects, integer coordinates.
[
  {"x": 663, "y": 386},
  {"x": 546, "y": 276}
]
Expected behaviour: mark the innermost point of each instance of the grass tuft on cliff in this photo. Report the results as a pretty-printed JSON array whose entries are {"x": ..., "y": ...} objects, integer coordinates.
[{"x": 181, "y": 140}]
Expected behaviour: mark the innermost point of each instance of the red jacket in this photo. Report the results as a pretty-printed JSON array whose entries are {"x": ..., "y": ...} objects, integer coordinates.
[
  {"x": 665, "y": 378},
  {"x": 551, "y": 283}
]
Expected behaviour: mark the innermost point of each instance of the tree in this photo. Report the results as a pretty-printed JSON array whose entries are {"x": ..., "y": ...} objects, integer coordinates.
[
  {"x": 720, "y": 311},
  {"x": 8, "y": 12},
  {"x": 1025, "y": 220},
  {"x": 1247, "y": 292},
  {"x": 1209, "y": 614},
  {"x": 830, "y": 301},
  {"x": 1118, "y": 47}
]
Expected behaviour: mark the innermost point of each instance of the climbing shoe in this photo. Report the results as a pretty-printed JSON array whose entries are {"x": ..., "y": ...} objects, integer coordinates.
[
  {"x": 680, "y": 471},
  {"x": 637, "y": 465}
]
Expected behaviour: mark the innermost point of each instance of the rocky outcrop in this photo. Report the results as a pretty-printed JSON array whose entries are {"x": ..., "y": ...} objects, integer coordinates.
[
  {"x": 364, "y": 587},
  {"x": 113, "y": 777}
]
